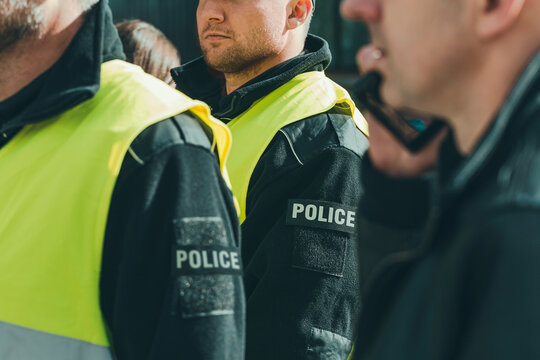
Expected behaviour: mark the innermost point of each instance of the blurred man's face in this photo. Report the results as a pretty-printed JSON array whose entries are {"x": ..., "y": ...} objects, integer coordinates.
[
  {"x": 419, "y": 46},
  {"x": 235, "y": 35},
  {"x": 19, "y": 19}
]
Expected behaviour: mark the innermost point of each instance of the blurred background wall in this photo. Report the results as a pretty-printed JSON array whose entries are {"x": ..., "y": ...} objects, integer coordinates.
[{"x": 176, "y": 18}]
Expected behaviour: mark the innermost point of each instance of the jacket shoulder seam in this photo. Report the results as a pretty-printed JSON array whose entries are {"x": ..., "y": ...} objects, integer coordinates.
[{"x": 291, "y": 146}]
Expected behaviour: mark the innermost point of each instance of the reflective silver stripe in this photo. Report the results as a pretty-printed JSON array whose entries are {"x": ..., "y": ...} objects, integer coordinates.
[{"x": 19, "y": 343}]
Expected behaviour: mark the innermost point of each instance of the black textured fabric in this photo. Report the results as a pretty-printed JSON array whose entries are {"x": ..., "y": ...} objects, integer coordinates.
[
  {"x": 12, "y": 107},
  {"x": 297, "y": 278},
  {"x": 465, "y": 283},
  {"x": 409, "y": 198},
  {"x": 152, "y": 312},
  {"x": 321, "y": 251}
]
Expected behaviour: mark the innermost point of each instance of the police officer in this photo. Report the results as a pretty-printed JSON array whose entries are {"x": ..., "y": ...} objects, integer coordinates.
[
  {"x": 294, "y": 168},
  {"x": 108, "y": 178},
  {"x": 455, "y": 267}
]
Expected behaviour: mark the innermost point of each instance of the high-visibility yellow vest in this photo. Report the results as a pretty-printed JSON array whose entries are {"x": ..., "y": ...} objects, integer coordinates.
[
  {"x": 306, "y": 95},
  {"x": 56, "y": 183}
]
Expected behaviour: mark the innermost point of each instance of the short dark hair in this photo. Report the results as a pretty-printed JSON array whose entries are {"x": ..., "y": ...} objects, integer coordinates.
[{"x": 148, "y": 47}]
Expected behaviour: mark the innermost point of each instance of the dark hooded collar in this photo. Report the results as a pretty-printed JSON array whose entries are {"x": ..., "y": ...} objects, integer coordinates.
[
  {"x": 73, "y": 79},
  {"x": 195, "y": 80},
  {"x": 520, "y": 109}
]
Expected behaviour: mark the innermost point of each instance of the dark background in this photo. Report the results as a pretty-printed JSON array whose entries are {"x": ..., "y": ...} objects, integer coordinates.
[{"x": 176, "y": 18}]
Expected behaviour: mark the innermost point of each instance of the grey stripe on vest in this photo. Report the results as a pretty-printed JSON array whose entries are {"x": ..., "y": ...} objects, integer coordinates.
[{"x": 20, "y": 343}]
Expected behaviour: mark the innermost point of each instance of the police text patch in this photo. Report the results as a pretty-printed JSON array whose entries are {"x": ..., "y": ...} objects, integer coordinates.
[
  {"x": 204, "y": 258},
  {"x": 203, "y": 247},
  {"x": 322, "y": 215},
  {"x": 208, "y": 260}
]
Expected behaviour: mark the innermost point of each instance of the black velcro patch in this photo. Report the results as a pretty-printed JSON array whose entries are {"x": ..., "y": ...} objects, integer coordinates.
[
  {"x": 202, "y": 296},
  {"x": 319, "y": 250},
  {"x": 206, "y": 266},
  {"x": 322, "y": 215}
]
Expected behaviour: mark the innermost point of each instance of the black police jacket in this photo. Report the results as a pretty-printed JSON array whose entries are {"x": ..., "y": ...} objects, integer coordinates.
[
  {"x": 453, "y": 272},
  {"x": 301, "y": 281},
  {"x": 151, "y": 309}
]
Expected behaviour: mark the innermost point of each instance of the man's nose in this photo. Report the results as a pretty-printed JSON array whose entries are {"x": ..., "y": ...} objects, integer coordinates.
[
  {"x": 361, "y": 10},
  {"x": 211, "y": 11}
]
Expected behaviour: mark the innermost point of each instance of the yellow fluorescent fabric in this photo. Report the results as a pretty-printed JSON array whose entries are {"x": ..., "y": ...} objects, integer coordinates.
[
  {"x": 55, "y": 189},
  {"x": 306, "y": 95}
]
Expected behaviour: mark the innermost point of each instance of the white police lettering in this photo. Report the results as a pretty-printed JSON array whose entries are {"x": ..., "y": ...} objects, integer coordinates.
[
  {"x": 207, "y": 259},
  {"x": 326, "y": 214},
  {"x": 321, "y": 214},
  {"x": 340, "y": 216},
  {"x": 311, "y": 212},
  {"x": 206, "y": 264},
  {"x": 224, "y": 260},
  {"x": 297, "y": 208},
  {"x": 195, "y": 259},
  {"x": 235, "y": 262},
  {"x": 350, "y": 218}
]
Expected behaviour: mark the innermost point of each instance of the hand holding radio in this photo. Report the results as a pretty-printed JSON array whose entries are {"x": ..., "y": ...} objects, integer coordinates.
[
  {"x": 402, "y": 143},
  {"x": 389, "y": 156}
]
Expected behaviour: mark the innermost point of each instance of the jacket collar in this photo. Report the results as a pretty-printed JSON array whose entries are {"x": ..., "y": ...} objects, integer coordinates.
[
  {"x": 75, "y": 77},
  {"x": 510, "y": 122},
  {"x": 196, "y": 80}
]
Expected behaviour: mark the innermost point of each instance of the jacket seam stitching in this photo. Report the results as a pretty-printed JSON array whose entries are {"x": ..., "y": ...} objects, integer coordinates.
[
  {"x": 135, "y": 156},
  {"x": 161, "y": 149},
  {"x": 153, "y": 155},
  {"x": 292, "y": 168},
  {"x": 289, "y": 140}
]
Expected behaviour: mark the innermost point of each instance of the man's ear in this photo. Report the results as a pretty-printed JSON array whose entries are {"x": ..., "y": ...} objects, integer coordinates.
[
  {"x": 497, "y": 16},
  {"x": 299, "y": 11}
]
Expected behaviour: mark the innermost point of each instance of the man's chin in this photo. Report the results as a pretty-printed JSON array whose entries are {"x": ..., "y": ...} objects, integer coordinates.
[
  {"x": 213, "y": 63},
  {"x": 19, "y": 26},
  {"x": 213, "y": 56},
  {"x": 217, "y": 66},
  {"x": 220, "y": 61},
  {"x": 390, "y": 95},
  {"x": 9, "y": 37}
]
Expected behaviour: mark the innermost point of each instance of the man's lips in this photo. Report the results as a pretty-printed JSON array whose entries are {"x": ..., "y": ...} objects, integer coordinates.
[
  {"x": 369, "y": 56},
  {"x": 215, "y": 36}
]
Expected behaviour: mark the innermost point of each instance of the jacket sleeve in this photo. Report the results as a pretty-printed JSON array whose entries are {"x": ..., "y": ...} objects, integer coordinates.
[
  {"x": 501, "y": 292},
  {"x": 171, "y": 282},
  {"x": 302, "y": 275}
]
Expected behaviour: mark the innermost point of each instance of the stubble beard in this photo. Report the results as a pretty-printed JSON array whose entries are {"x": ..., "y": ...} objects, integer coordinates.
[
  {"x": 19, "y": 19},
  {"x": 240, "y": 57}
]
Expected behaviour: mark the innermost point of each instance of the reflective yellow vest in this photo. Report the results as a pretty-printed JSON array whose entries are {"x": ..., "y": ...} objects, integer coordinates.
[
  {"x": 306, "y": 95},
  {"x": 56, "y": 182}
]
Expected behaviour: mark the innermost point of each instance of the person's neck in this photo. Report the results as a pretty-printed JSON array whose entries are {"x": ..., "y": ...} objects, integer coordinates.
[
  {"x": 233, "y": 81},
  {"x": 481, "y": 98},
  {"x": 28, "y": 58}
]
